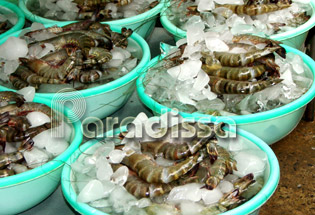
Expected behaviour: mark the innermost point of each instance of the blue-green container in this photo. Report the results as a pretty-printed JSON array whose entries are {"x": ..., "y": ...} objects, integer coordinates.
[
  {"x": 271, "y": 177},
  {"x": 143, "y": 23},
  {"x": 25, "y": 190},
  {"x": 7, "y": 7},
  {"x": 271, "y": 126},
  {"x": 294, "y": 38},
  {"x": 103, "y": 100}
]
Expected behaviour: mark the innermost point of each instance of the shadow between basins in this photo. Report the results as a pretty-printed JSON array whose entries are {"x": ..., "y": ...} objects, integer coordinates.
[
  {"x": 271, "y": 178},
  {"x": 25, "y": 190},
  {"x": 105, "y": 99},
  {"x": 271, "y": 126},
  {"x": 294, "y": 38},
  {"x": 143, "y": 23},
  {"x": 6, "y": 7}
]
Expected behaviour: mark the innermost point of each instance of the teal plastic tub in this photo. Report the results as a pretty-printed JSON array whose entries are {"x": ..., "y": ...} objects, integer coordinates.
[
  {"x": 294, "y": 38},
  {"x": 271, "y": 126},
  {"x": 25, "y": 190},
  {"x": 271, "y": 176},
  {"x": 7, "y": 7},
  {"x": 143, "y": 23},
  {"x": 105, "y": 99}
]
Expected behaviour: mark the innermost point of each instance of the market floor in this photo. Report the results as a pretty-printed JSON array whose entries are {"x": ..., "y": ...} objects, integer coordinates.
[{"x": 296, "y": 191}]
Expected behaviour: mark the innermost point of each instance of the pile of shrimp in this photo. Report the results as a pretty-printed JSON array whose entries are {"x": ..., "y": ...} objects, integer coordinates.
[
  {"x": 80, "y": 53},
  {"x": 105, "y": 10},
  {"x": 17, "y": 132},
  {"x": 219, "y": 76},
  {"x": 157, "y": 169},
  {"x": 256, "y": 15}
]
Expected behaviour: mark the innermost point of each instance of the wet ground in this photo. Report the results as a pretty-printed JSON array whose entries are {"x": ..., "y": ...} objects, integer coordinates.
[{"x": 296, "y": 190}]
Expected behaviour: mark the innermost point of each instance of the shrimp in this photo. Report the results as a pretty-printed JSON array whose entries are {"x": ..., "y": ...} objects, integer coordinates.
[
  {"x": 253, "y": 10},
  {"x": 89, "y": 76},
  {"x": 242, "y": 59},
  {"x": 32, "y": 78},
  {"x": 259, "y": 2},
  {"x": 10, "y": 96},
  {"x": 71, "y": 40},
  {"x": 223, "y": 163},
  {"x": 238, "y": 73},
  {"x": 142, "y": 189},
  {"x": 98, "y": 55},
  {"x": 47, "y": 71},
  {"x": 17, "y": 82},
  {"x": 231, "y": 199},
  {"x": 148, "y": 170},
  {"x": 174, "y": 151},
  {"x": 7, "y": 158},
  {"x": 83, "y": 25},
  {"x": 255, "y": 40},
  {"x": 224, "y": 86},
  {"x": 6, "y": 172}
]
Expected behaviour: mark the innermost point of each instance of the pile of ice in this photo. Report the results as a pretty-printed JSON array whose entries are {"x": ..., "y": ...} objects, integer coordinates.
[
  {"x": 97, "y": 184},
  {"x": 123, "y": 60},
  {"x": 47, "y": 145},
  {"x": 221, "y": 19},
  {"x": 68, "y": 9},
  {"x": 185, "y": 86}
]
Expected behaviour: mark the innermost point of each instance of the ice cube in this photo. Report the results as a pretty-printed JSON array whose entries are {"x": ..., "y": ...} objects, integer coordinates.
[
  {"x": 104, "y": 169},
  {"x": 248, "y": 162},
  {"x": 57, "y": 147},
  {"x": 10, "y": 147},
  {"x": 92, "y": 191},
  {"x": 18, "y": 168},
  {"x": 119, "y": 198},
  {"x": 231, "y": 178},
  {"x": 226, "y": 186},
  {"x": 108, "y": 187},
  {"x": 13, "y": 43},
  {"x": 35, "y": 157},
  {"x": 120, "y": 176},
  {"x": 191, "y": 192},
  {"x": 206, "y": 5},
  {"x": 239, "y": 2},
  {"x": 116, "y": 156},
  {"x": 106, "y": 147},
  {"x": 215, "y": 44},
  {"x": 144, "y": 202},
  {"x": 28, "y": 93},
  {"x": 190, "y": 208},
  {"x": 211, "y": 196},
  {"x": 37, "y": 118},
  {"x": 10, "y": 66}
]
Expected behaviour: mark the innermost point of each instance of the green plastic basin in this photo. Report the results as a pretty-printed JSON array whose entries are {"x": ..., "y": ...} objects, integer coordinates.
[
  {"x": 294, "y": 38},
  {"x": 271, "y": 176},
  {"x": 105, "y": 99},
  {"x": 271, "y": 126},
  {"x": 7, "y": 7},
  {"x": 25, "y": 190},
  {"x": 143, "y": 23}
]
